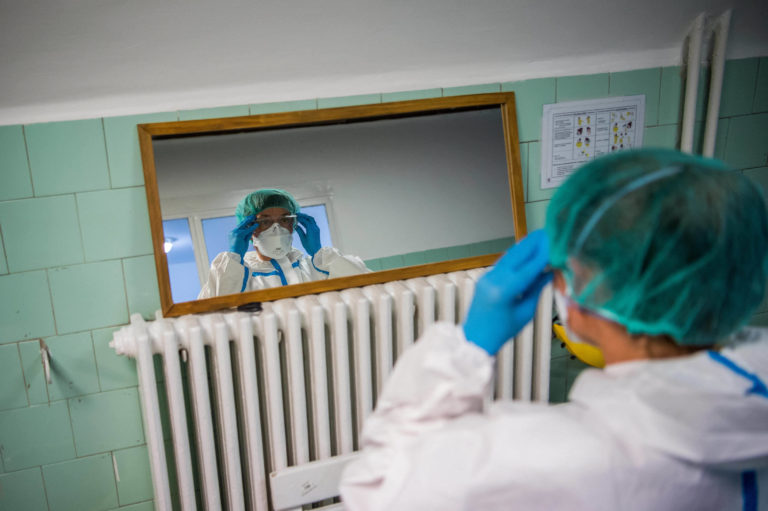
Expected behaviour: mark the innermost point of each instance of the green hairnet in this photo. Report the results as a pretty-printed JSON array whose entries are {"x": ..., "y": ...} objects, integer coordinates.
[
  {"x": 663, "y": 243},
  {"x": 255, "y": 202}
]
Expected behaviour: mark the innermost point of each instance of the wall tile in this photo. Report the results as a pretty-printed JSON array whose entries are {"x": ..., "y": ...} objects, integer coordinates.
[
  {"x": 536, "y": 214},
  {"x": 482, "y": 248},
  {"x": 535, "y": 191},
  {"x": 283, "y": 106},
  {"x": 739, "y": 80},
  {"x": 144, "y": 506},
  {"x": 572, "y": 88},
  {"x": 34, "y": 375},
  {"x": 747, "y": 142},
  {"x": 413, "y": 258},
  {"x": 40, "y": 233},
  {"x": 106, "y": 421},
  {"x": 661, "y": 136},
  {"x": 35, "y": 436},
  {"x": 760, "y": 103},
  {"x": 362, "y": 99},
  {"x": 82, "y": 484},
  {"x": 115, "y": 223},
  {"x": 25, "y": 307},
  {"x": 15, "y": 179},
  {"x": 643, "y": 81},
  {"x": 456, "y": 252},
  {"x": 12, "y": 393},
  {"x": 135, "y": 483},
  {"x": 214, "y": 113},
  {"x": 141, "y": 286},
  {"x": 434, "y": 255},
  {"x": 115, "y": 371},
  {"x": 472, "y": 89},
  {"x": 530, "y": 98},
  {"x": 23, "y": 491},
  {"x": 67, "y": 157},
  {"x": 3, "y": 262},
  {"x": 557, "y": 379},
  {"x": 721, "y": 138},
  {"x": 670, "y": 96},
  {"x": 88, "y": 296},
  {"x": 73, "y": 366},
  {"x": 123, "y": 152},
  {"x": 388, "y": 263},
  {"x": 388, "y": 97},
  {"x": 759, "y": 176}
]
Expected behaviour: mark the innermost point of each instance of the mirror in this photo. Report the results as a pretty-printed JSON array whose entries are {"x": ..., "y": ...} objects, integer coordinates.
[{"x": 408, "y": 188}]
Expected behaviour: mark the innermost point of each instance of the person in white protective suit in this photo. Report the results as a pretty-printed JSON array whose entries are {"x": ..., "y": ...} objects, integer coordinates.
[
  {"x": 268, "y": 218},
  {"x": 659, "y": 260}
]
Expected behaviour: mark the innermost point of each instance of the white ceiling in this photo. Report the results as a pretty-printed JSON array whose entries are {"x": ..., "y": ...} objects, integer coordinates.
[{"x": 71, "y": 59}]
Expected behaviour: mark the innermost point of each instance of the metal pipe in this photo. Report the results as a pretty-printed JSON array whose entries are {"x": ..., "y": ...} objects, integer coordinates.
[
  {"x": 693, "y": 64},
  {"x": 716, "y": 82}
]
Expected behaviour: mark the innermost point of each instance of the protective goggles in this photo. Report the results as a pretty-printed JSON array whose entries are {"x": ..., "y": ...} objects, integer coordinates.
[{"x": 286, "y": 221}]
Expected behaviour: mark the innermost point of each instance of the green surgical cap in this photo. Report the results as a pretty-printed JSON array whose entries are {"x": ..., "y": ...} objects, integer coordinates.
[
  {"x": 662, "y": 242},
  {"x": 255, "y": 202}
]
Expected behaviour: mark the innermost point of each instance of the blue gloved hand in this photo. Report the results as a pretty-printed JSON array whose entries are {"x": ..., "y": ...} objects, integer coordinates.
[
  {"x": 506, "y": 297},
  {"x": 241, "y": 235},
  {"x": 309, "y": 233}
]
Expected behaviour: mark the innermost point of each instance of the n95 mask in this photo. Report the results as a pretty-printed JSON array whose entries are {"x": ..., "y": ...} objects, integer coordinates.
[{"x": 275, "y": 242}]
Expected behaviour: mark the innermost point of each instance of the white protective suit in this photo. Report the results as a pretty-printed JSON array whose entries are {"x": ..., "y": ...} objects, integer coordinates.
[
  {"x": 226, "y": 274},
  {"x": 687, "y": 433}
]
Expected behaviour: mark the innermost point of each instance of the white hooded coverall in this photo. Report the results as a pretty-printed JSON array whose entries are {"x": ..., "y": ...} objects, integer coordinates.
[
  {"x": 687, "y": 433},
  {"x": 227, "y": 273}
]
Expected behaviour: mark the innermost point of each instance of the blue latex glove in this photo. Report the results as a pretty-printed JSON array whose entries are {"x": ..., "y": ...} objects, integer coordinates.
[
  {"x": 241, "y": 235},
  {"x": 309, "y": 233},
  {"x": 506, "y": 297}
]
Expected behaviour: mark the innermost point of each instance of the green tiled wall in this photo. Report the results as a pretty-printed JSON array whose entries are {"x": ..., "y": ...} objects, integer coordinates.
[
  {"x": 76, "y": 261},
  {"x": 440, "y": 254}
]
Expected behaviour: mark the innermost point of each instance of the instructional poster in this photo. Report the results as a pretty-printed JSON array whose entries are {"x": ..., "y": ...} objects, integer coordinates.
[{"x": 579, "y": 131}]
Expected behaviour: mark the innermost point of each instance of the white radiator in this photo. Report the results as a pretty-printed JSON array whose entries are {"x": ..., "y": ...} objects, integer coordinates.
[{"x": 249, "y": 393}]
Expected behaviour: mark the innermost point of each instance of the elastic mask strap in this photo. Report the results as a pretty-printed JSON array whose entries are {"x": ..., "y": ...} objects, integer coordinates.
[{"x": 629, "y": 188}]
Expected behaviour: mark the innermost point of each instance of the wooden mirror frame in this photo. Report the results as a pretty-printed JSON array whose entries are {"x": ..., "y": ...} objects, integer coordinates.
[{"x": 149, "y": 132}]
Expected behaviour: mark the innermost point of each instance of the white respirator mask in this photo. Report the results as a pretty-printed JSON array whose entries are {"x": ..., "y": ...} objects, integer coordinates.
[{"x": 275, "y": 242}]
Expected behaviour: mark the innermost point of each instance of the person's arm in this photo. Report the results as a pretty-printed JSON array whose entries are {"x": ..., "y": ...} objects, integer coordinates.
[
  {"x": 427, "y": 440},
  {"x": 326, "y": 262},
  {"x": 228, "y": 273},
  {"x": 225, "y": 276},
  {"x": 430, "y": 446}
]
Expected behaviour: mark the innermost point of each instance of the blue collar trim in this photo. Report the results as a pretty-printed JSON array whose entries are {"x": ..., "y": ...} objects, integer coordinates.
[
  {"x": 279, "y": 272},
  {"x": 749, "y": 490},
  {"x": 318, "y": 269},
  {"x": 758, "y": 386}
]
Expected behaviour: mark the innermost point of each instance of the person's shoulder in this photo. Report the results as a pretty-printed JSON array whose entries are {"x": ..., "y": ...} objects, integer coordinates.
[{"x": 253, "y": 261}]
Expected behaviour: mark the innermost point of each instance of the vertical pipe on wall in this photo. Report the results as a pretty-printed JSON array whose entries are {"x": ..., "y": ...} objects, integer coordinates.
[
  {"x": 716, "y": 82},
  {"x": 692, "y": 58}
]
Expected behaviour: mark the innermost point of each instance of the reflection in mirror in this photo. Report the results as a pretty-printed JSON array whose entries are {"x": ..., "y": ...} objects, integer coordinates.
[{"x": 394, "y": 192}]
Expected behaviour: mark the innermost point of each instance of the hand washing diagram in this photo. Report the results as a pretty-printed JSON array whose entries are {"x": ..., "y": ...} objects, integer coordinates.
[{"x": 576, "y": 132}]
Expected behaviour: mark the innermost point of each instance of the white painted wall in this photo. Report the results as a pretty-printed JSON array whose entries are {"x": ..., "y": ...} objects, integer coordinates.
[
  {"x": 397, "y": 186},
  {"x": 76, "y": 59}
]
